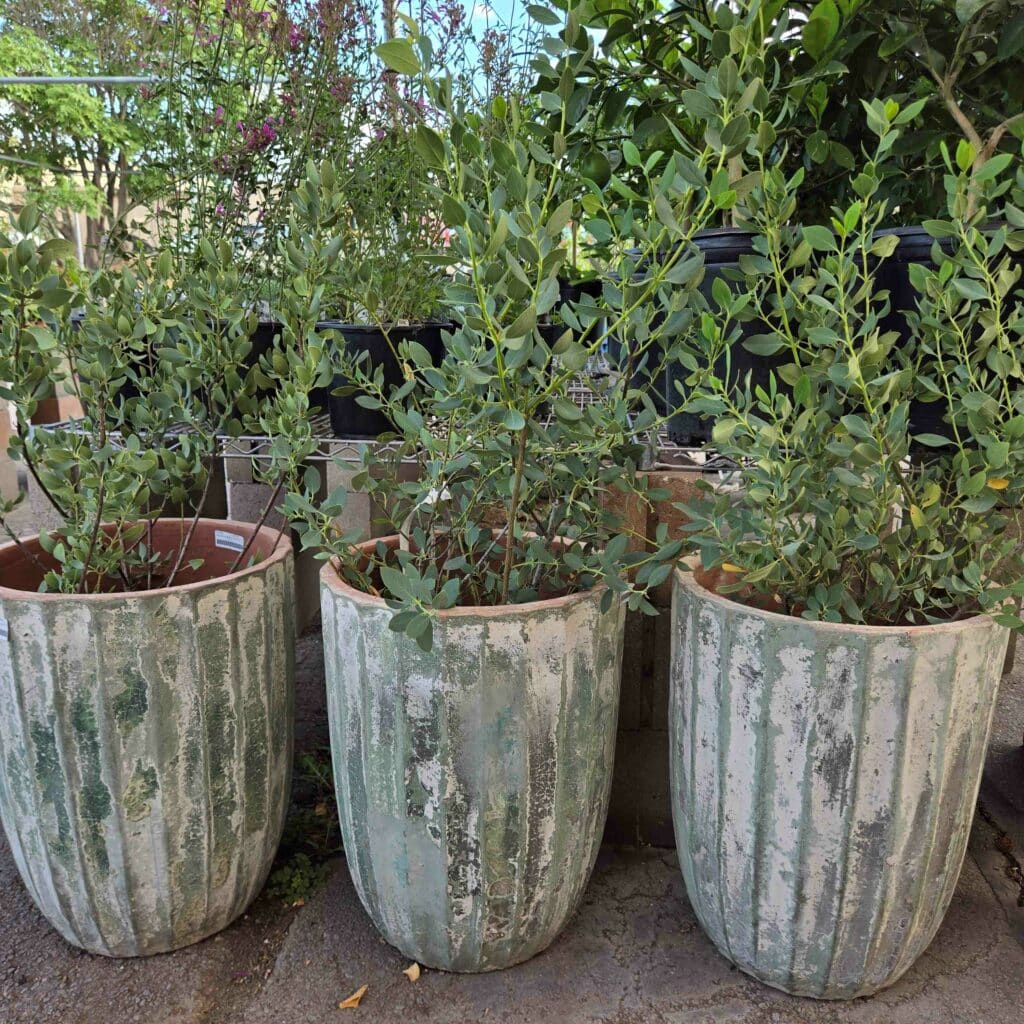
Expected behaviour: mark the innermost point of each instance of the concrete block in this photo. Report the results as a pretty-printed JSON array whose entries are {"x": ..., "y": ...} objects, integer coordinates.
[{"x": 8, "y": 467}]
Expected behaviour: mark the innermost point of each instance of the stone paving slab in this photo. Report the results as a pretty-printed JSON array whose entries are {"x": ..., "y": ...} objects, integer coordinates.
[{"x": 633, "y": 954}]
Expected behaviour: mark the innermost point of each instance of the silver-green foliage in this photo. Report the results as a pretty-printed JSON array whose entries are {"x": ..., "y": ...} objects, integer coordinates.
[{"x": 519, "y": 492}]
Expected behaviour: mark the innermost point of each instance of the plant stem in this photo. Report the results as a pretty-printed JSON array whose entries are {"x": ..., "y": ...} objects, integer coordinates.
[
  {"x": 95, "y": 534},
  {"x": 513, "y": 511},
  {"x": 30, "y": 555},
  {"x": 183, "y": 547}
]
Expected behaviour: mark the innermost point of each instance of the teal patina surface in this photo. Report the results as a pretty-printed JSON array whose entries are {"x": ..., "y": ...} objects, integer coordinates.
[
  {"x": 145, "y": 751},
  {"x": 473, "y": 780},
  {"x": 823, "y": 782}
]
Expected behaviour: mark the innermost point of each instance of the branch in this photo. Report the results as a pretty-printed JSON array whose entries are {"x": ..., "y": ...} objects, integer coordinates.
[{"x": 998, "y": 132}]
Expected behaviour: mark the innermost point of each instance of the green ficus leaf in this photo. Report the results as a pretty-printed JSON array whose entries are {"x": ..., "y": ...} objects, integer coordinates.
[{"x": 430, "y": 146}]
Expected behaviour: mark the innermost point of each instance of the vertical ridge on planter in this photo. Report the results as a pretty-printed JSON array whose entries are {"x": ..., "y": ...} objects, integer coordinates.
[
  {"x": 884, "y": 685},
  {"x": 832, "y": 769}
]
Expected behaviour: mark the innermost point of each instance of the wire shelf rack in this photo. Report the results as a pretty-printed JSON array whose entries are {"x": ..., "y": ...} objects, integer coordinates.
[{"x": 662, "y": 452}]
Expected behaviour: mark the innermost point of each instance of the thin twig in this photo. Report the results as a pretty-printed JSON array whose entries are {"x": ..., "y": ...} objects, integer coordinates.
[
  {"x": 258, "y": 526},
  {"x": 27, "y": 552},
  {"x": 95, "y": 534},
  {"x": 514, "y": 510},
  {"x": 187, "y": 540}
]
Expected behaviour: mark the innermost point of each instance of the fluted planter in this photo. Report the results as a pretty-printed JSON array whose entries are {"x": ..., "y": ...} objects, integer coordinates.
[
  {"x": 823, "y": 783},
  {"x": 473, "y": 780},
  {"x": 146, "y": 742}
]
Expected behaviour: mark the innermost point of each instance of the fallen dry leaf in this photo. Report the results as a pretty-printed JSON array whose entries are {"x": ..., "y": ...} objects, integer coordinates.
[
  {"x": 353, "y": 1000},
  {"x": 412, "y": 972}
]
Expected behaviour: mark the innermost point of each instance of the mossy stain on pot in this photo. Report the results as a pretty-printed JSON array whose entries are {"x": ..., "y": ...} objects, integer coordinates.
[
  {"x": 132, "y": 703},
  {"x": 473, "y": 779},
  {"x": 50, "y": 779},
  {"x": 823, "y": 780},
  {"x": 137, "y": 798},
  {"x": 94, "y": 798}
]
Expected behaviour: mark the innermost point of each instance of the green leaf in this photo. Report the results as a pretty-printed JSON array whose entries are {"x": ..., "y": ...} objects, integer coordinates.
[
  {"x": 429, "y": 146},
  {"x": 971, "y": 289},
  {"x": 967, "y": 9},
  {"x": 543, "y": 15},
  {"x": 399, "y": 56},
  {"x": 764, "y": 344},
  {"x": 514, "y": 419},
  {"x": 821, "y": 28},
  {"x": 819, "y": 238},
  {"x": 699, "y": 105},
  {"x": 817, "y": 146},
  {"x": 994, "y": 166},
  {"x": 566, "y": 410},
  {"x": 631, "y": 154},
  {"x": 523, "y": 324}
]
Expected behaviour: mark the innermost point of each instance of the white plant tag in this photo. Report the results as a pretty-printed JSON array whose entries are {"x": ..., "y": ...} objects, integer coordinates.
[{"x": 231, "y": 541}]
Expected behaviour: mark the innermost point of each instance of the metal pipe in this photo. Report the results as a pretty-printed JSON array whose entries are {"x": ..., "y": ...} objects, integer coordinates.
[{"x": 77, "y": 80}]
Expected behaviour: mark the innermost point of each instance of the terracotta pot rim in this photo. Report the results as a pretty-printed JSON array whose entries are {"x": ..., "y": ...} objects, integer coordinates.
[
  {"x": 330, "y": 578},
  {"x": 281, "y": 550},
  {"x": 685, "y": 577}
]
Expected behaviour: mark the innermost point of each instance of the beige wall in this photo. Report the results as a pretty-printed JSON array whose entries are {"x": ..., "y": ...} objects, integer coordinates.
[{"x": 8, "y": 468}]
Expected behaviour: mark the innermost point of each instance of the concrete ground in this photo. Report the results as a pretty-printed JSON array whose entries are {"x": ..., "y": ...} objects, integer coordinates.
[{"x": 633, "y": 954}]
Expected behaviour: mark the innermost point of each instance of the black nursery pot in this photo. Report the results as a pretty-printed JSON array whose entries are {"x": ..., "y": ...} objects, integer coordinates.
[
  {"x": 262, "y": 339},
  {"x": 722, "y": 249},
  {"x": 893, "y": 275},
  {"x": 348, "y": 417}
]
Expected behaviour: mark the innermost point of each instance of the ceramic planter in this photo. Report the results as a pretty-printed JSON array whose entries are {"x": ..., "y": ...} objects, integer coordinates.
[
  {"x": 146, "y": 742},
  {"x": 472, "y": 781},
  {"x": 823, "y": 782}
]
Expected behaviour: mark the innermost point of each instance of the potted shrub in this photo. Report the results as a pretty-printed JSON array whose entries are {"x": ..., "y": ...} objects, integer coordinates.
[
  {"x": 839, "y": 641},
  {"x": 473, "y": 656},
  {"x": 147, "y": 664}
]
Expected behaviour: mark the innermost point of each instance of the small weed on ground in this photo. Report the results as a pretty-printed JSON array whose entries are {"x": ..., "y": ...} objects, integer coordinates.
[{"x": 311, "y": 836}]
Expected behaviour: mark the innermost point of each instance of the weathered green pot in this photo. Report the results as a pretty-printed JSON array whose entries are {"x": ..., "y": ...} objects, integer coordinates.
[
  {"x": 472, "y": 781},
  {"x": 824, "y": 779},
  {"x": 146, "y": 742}
]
